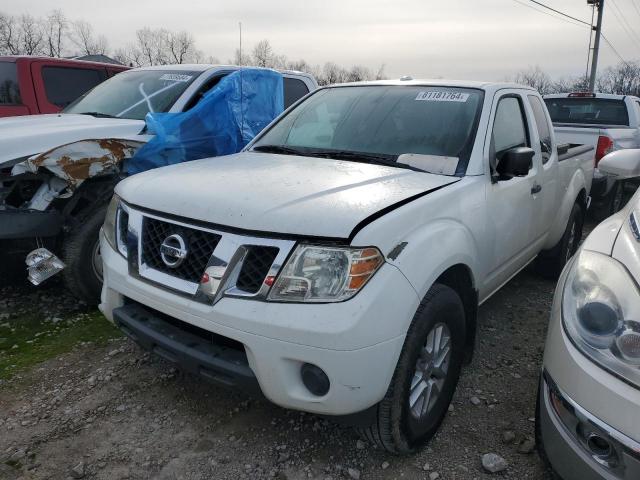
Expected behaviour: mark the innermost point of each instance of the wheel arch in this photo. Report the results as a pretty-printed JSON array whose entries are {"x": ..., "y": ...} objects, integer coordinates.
[{"x": 459, "y": 277}]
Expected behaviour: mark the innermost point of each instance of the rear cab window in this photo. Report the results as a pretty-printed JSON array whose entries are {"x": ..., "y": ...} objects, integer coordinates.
[
  {"x": 9, "y": 86},
  {"x": 63, "y": 85},
  {"x": 588, "y": 111},
  {"x": 294, "y": 90}
]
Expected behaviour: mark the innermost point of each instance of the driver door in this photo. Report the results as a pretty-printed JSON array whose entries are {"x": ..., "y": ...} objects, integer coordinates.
[{"x": 511, "y": 236}]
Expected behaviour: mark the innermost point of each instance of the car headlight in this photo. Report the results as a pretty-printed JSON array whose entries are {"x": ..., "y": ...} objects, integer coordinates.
[
  {"x": 115, "y": 225},
  {"x": 325, "y": 274},
  {"x": 601, "y": 313},
  {"x": 109, "y": 226}
]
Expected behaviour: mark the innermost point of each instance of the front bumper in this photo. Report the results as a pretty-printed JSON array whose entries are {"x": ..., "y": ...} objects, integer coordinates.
[
  {"x": 356, "y": 343},
  {"x": 579, "y": 400},
  {"x": 578, "y": 445}
]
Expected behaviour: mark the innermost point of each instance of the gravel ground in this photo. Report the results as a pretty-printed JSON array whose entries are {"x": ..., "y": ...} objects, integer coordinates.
[{"x": 113, "y": 411}]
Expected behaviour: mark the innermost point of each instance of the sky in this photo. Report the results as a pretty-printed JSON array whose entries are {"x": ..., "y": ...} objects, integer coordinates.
[{"x": 462, "y": 39}]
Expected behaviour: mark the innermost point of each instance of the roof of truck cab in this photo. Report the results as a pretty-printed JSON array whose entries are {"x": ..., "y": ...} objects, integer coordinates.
[
  {"x": 61, "y": 61},
  {"x": 440, "y": 82},
  {"x": 203, "y": 67}
]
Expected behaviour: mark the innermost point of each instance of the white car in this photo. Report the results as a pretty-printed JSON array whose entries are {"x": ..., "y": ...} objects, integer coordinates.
[
  {"x": 589, "y": 402},
  {"x": 337, "y": 263}
]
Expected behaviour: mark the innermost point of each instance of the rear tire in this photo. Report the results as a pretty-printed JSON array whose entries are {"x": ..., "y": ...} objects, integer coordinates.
[
  {"x": 550, "y": 263},
  {"x": 81, "y": 255},
  {"x": 612, "y": 203},
  {"x": 425, "y": 377}
]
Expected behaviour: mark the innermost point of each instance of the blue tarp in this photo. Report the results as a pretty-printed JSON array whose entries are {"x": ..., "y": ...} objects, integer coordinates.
[{"x": 226, "y": 118}]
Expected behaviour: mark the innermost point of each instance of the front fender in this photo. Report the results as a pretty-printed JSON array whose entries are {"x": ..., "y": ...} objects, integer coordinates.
[
  {"x": 577, "y": 184},
  {"x": 434, "y": 248}
]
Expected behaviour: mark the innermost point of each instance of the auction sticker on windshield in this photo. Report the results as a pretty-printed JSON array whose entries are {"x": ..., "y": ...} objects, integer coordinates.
[
  {"x": 176, "y": 77},
  {"x": 434, "y": 96}
]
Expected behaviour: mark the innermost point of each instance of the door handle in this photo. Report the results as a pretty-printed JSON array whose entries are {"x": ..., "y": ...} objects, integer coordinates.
[{"x": 536, "y": 189}]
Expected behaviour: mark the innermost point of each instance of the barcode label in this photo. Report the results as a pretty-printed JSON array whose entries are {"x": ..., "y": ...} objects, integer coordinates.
[{"x": 433, "y": 96}]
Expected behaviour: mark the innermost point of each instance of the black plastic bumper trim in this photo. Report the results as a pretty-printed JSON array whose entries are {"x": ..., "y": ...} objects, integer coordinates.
[
  {"x": 16, "y": 224},
  {"x": 215, "y": 362}
]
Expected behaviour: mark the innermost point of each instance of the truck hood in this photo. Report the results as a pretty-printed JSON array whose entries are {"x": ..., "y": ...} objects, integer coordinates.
[
  {"x": 29, "y": 135},
  {"x": 284, "y": 194}
]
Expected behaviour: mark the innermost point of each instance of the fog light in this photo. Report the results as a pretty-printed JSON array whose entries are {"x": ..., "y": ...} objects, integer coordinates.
[
  {"x": 42, "y": 264},
  {"x": 315, "y": 379},
  {"x": 599, "y": 445}
]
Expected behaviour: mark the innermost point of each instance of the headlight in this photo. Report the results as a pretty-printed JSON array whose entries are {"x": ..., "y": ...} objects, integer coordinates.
[
  {"x": 115, "y": 225},
  {"x": 109, "y": 227},
  {"x": 325, "y": 274},
  {"x": 601, "y": 313}
]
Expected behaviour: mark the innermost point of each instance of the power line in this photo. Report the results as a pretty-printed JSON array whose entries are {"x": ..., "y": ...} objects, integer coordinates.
[
  {"x": 614, "y": 50},
  {"x": 590, "y": 25},
  {"x": 635, "y": 5},
  {"x": 617, "y": 12},
  {"x": 559, "y": 12},
  {"x": 547, "y": 13}
]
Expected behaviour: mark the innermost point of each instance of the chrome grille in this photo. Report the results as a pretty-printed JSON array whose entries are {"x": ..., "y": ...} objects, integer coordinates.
[
  {"x": 255, "y": 267},
  {"x": 200, "y": 246}
]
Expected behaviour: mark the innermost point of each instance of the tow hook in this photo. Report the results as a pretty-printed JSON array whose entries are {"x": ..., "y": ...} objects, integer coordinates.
[{"x": 42, "y": 264}]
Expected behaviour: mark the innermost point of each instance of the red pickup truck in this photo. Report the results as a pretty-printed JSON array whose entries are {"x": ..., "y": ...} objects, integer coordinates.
[{"x": 32, "y": 85}]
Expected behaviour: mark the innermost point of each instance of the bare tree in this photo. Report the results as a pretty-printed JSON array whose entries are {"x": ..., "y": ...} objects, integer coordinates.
[
  {"x": 623, "y": 79},
  {"x": 9, "y": 37},
  {"x": 380, "y": 75},
  {"x": 240, "y": 58},
  {"x": 536, "y": 78},
  {"x": 85, "y": 39},
  {"x": 181, "y": 46},
  {"x": 262, "y": 54},
  {"x": 55, "y": 29},
  {"x": 31, "y": 35}
]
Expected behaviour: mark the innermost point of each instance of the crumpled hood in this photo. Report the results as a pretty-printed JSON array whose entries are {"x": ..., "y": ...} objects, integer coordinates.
[
  {"x": 29, "y": 135},
  {"x": 277, "y": 193}
]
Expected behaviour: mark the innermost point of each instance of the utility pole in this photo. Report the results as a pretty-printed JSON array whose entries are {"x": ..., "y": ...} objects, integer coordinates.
[
  {"x": 596, "y": 44},
  {"x": 240, "y": 25}
]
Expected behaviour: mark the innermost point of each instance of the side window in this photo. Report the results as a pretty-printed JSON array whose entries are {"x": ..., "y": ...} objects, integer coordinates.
[
  {"x": 509, "y": 127},
  {"x": 9, "y": 87},
  {"x": 294, "y": 90},
  {"x": 542, "y": 124},
  {"x": 63, "y": 85}
]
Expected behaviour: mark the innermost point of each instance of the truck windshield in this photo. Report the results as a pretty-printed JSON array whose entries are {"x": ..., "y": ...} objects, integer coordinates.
[
  {"x": 588, "y": 111},
  {"x": 380, "y": 123},
  {"x": 133, "y": 94},
  {"x": 9, "y": 88}
]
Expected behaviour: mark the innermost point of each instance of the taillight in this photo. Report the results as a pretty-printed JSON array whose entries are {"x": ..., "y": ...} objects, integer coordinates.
[{"x": 605, "y": 145}]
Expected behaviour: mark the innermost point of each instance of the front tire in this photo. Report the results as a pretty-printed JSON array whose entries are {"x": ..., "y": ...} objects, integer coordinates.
[
  {"x": 425, "y": 377},
  {"x": 81, "y": 255}
]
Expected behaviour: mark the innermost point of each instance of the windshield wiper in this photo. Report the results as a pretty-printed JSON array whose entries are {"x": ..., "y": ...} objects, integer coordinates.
[
  {"x": 362, "y": 157},
  {"x": 279, "y": 149},
  {"x": 97, "y": 114}
]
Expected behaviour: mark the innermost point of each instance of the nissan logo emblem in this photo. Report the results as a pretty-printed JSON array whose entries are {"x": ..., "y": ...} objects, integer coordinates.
[{"x": 173, "y": 251}]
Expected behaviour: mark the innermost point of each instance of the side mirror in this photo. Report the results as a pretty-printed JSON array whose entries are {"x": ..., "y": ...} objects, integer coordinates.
[
  {"x": 515, "y": 162},
  {"x": 621, "y": 164}
]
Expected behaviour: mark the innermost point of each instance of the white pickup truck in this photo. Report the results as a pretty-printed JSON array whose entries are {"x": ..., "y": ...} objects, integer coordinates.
[
  {"x": 77, "y": 155},
  {"x": 336, "y": 264},
  {"x": 608, "y": 123}
]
